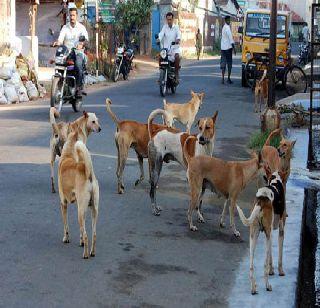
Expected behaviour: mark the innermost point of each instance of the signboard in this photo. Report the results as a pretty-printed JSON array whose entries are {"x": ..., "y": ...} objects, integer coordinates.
[{"x": 107, "y": 10}]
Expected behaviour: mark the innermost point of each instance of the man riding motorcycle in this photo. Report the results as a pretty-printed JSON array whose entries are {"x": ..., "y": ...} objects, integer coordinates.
[
  {"x": 69, "y": 36},
  {"x": 171, "y": 33}
]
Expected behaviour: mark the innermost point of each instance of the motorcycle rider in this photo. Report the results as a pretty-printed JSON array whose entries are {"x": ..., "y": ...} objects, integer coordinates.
[
  {"x": 171, "y": 33},
  {"x": 69, "y": 36}
]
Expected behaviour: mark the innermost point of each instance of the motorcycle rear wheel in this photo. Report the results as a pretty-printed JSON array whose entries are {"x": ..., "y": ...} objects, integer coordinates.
[{"x": 163, "y": 83}]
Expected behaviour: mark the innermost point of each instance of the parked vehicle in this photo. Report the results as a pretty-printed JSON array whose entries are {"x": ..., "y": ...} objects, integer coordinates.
[
  {"x": 167, "y": 79},
  {"x": 63, "y": 87},
  {"x": 304, "y": 54},
  {"x": 122, "y": 63},
  {"x": 255, "y": 44}
]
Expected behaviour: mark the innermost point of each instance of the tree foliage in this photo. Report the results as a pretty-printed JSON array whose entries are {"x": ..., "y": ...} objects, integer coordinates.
[{"x": 133, "y": 13}]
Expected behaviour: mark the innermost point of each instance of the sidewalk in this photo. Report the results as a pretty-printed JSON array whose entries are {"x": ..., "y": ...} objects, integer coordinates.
[{"x": 283, "y": 288}]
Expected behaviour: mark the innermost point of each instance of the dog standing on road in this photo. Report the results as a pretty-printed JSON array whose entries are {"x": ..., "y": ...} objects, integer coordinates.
[
  {"x": 184, "y": 113},
  {"x": 77, "y": 183},
  {"x": 87, "y": 123},
  {"x": 131, "y": 134},
  {"x": 226, "y": 178},
  {"x": 167, "y": 145},
  {"x": 267, "y": 214},
  {"x": 261, "y": 92}
]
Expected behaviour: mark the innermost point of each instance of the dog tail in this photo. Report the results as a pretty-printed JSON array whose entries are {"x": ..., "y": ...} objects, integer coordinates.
[
  {"x": 83, "y": 156},
  {"x": 186, "y": 154},
  {"x": 152, "y": 115},
  {"x": 271, "y": 135},
  {"x": 249, "y": 221},
  {"x": 54, "y": 113},
  {"x": 264, "y": 75},
  {"x": 113, "y": 116},
  {"x": 164, "y": 104}
]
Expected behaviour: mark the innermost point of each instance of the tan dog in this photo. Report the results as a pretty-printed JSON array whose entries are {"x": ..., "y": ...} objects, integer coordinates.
[
  {"x": 184, "y": 113},
  {"x": 268, "y": 213},
  {"x": 226, "y": 178},
  {"x": 130, "y": 134},
  {"x": 167, "y": 145},
  {"x": 261, "y": 92},
  {"x": 85, "y": 125},
  {"x": 77, "y": 183}
]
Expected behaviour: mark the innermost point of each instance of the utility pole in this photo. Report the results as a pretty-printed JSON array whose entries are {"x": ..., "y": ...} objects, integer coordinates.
[
  {"x": 97, "y": 38},
  {"x": 272, "y": 54}
]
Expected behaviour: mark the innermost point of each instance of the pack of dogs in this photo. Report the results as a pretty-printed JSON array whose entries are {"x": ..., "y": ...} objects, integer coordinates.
[{"x": 161, "y": 143}]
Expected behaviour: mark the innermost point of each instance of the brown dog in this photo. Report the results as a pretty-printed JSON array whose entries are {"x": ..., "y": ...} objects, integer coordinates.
[
  {"x": 86, "y": 124},
  {"x": 77, "y": 183},
  {"x": 261, "y": 92},
  {"x": 226, "y": 178},
  {"x": 167, "y": 145},
  {"x": 184, "y": 113},
  {"x": 130, "y": 134}
]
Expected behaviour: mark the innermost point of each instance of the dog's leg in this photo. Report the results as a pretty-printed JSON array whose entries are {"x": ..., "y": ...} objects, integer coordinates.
[
  {"x": 53, "y": 158},
  {"x": 189, "y": 124},
  {"x": 232, "y": 207},
  {"x": 200, "y": 214},
  {"x": 254, "y": 234},
  {"x": 195, "y": 196},
  {"x": 123, "y": 151},
  {"x": 82, "y": 223},
  {"x": 281, "y": 238},
  {"x": 64, "y": 213},
  {"x": 140, "y": 160},
  {"x": 256, "y": 101},
  {"x": 94, "y": 217},
  {"x": 155, "y": 166},
  {"x": 268, "y": 233},
  {"x": 223, "y": 214}
]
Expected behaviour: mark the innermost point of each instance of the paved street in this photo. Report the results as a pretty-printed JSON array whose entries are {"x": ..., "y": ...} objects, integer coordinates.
[{"x": 142, "y": 260}]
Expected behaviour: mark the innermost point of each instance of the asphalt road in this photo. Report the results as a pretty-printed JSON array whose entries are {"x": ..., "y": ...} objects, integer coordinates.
[{"x": 141, "y": 260}]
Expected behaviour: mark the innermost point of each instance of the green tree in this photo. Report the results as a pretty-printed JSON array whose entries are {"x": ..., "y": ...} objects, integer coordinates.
[{"x": 133, "y": 13}]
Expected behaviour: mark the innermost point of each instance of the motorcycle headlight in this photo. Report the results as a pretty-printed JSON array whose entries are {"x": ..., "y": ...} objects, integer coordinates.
[
  {"x": 280, "y": 59},
  {"x": 163, "y": 54},
  {"x": 248, "y": 55}
]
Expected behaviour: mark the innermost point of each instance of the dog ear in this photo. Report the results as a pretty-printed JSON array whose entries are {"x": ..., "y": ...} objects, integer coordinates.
[
  {"x": 293, "y": 143},
  {"x": 201, "y": 96},
  {"x": 214, "y": 118},
  {"x": 192, "y": 93},
  {"x": 85, "y": 114}
]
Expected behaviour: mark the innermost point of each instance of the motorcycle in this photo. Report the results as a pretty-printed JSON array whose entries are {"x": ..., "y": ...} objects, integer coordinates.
[
  {"x": 122, "y": 63},
  {"x": 63, "y": 86},
  {"x": 304, "y": 54},
  {"x": 167, "y": 78}
]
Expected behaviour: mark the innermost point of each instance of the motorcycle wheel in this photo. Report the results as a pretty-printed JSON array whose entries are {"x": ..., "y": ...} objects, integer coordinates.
[
  {"x": 76, "y": 104},
  {"x": 55, "y": 87},
  {"x": 163, "y": 85},
  {"x": 116, "y": 73},
  {"x": 173, "y": 89}
]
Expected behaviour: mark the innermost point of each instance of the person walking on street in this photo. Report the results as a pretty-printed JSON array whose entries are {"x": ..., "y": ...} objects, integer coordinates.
[
  {"x": 227, "y": 45},
  {"x": 198, "y": 43}
]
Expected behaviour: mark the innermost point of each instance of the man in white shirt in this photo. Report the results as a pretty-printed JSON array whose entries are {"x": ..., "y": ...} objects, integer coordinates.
[
  {"x": 70, "y": 37},
  {"x": 305, "y": 33},
  {"x": 227, "y": 45},
  {"x": 171, "y": 33}
]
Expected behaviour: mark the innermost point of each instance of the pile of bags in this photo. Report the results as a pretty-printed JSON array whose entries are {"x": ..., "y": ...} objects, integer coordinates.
[{"x": 16, "y": 85}]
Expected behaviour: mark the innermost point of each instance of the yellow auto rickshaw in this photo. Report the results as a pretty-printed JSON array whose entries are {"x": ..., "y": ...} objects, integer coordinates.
[{"x": 255, "y": 50}]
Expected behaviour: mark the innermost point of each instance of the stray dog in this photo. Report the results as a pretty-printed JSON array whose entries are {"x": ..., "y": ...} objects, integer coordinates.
[
  {"x": 184, "y": 113},
  {"x": 226, "y": 178},
  {"x": 77, "y": 183},
  {"x": 261, "y": 92},
  {"x": 87, "y": 123},
  {"x": 130, "y": 134},
  {"x": 167, "y": 145},
  {"x": 267, "y": 214}
]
